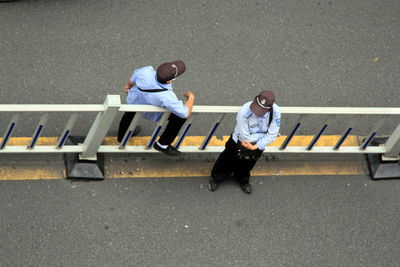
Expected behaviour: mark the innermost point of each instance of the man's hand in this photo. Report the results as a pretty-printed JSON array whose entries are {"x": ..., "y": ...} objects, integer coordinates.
[
  {"x": 128, "y": 86},
  {"x": 249, "y": 145},
  {"x": 188, "y": 94},
  {"x": 189, "y": 102}
]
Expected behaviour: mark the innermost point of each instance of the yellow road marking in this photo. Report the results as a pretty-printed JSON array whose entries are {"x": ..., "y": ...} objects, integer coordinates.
[
  {"x": 144, "y": 169},
  {"x": 31, "y": 173},
  {"x": 195, "y": 169},
  {"x": 298, "y": 140}
]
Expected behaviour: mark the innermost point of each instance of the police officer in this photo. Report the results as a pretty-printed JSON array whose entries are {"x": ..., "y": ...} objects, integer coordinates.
[
  {"x": 258, "y": 123},
  {"x": 147, "y": 86}
]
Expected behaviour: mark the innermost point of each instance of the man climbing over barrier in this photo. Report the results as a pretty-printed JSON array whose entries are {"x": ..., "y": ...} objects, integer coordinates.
[{"x": 151, "y": 87}]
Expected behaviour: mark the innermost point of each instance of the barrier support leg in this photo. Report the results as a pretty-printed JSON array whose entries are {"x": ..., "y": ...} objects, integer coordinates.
[
  {"x": 100, "y": 127},
  {"x": 393, "y": 143},
  {"x": 87, "y": 165},
  {"x": 83, "y": 169},
  {"x": 385, "y": 166}
]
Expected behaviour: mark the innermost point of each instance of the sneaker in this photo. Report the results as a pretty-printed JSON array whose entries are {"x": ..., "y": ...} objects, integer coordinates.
[
  {"x": 246, "y": 188},
  {"x": 213, "y": 185},
  {"x": 170, "y": 150}
]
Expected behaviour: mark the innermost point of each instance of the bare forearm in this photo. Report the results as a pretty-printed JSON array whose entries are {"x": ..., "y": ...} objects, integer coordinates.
[
  {"x": 189, "y": 103},
  {"x": 249, "y": 145},
  {"x": 128, "y": 85}
]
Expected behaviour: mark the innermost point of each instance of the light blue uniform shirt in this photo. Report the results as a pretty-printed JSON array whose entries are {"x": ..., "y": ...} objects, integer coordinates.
[
  {"x": 145, "y": 78},
  {"x": 254, "y": 129}
]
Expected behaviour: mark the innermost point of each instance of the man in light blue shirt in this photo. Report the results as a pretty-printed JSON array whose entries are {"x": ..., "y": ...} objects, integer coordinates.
[
  {"x": 257, "y": 130},
  {"x": 258, "y": 124},
  {"x": 151, "y": 87}
]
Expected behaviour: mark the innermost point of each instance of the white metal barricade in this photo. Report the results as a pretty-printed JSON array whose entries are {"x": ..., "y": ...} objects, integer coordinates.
[{"x": 107, "y": 112}]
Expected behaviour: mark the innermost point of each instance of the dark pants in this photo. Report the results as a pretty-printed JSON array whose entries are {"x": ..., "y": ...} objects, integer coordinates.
[
  {"x": 175, "y": 123},
  {"x": 228, "y": 163}
]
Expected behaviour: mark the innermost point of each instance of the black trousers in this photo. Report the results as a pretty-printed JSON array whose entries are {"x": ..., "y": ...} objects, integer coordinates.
[
  {"x": 228, "y": 163},
  {"x": 175, "y": 123}
]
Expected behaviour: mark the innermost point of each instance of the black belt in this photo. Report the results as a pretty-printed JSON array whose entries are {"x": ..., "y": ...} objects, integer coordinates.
[{"x": 152, "y": 90}]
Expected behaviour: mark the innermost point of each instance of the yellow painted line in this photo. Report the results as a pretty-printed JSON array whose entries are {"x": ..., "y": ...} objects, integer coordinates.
[
  {"x": 298, "y": 140},
  {"x": 24, "y": 141},
  {"x": 314, "y": 168},
  {"x": 194, "y": 169},
  {"x": 31, "y": 173}
]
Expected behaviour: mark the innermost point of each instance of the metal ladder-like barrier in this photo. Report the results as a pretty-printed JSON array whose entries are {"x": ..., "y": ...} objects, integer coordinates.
[{"x": 107, "y": 112}]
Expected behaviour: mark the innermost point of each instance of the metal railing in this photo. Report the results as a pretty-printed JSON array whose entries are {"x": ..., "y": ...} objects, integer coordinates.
[{"x": 107, "y": 112}]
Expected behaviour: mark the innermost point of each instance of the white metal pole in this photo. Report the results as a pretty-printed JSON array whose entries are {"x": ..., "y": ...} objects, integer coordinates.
[
  {"x": 100, "y": 127},
  {"x": 184, "y": 130},
  {"x": 157, "y": 130},
  {"x": 392, "y": 146},
  {"x": 67, "y": 131},
  {"x": 211, "y": 132},
  {"x": 372, "y": 134},
  {"x": 130, "y": 130},
  {"x": 10, "y": 129},
  {"x": 38, "y": 131}
]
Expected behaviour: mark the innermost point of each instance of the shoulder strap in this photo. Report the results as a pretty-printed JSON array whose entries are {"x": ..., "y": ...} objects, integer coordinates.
[
  {"x": 271, "y": 113},
  {"x": 152, "y": 90}
]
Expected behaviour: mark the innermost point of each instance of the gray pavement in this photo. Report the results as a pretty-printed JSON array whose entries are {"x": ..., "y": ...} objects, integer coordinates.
[
  {"x": 287, "y": 221},
  {"x": 311, "y": 53}
]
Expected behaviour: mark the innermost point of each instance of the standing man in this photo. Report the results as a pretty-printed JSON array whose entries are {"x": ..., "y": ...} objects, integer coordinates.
[
  {"x": 147, "y": 86},
  {"x": 258, "y": 123}
]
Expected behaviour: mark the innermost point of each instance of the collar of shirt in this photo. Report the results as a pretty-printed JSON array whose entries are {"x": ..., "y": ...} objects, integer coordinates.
[
  {"x": 146, "y": 79},
  {"x": 248, "y": 113},
  {"x": 163, "y": 85}
]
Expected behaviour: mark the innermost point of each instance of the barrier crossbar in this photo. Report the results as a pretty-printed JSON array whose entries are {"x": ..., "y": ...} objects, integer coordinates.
[{"x": 107, "y": 112}]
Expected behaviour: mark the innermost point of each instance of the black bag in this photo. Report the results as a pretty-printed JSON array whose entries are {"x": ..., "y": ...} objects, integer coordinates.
[{"x": 247, "y": 154}]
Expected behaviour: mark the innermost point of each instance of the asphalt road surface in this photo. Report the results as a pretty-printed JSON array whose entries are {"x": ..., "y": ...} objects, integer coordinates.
[
  {"x": 311, "y": 53},
  {"x": 287, "y": 221}
]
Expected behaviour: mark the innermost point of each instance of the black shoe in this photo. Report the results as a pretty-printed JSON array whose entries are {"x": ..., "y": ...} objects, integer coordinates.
[
  {"x": 170, "y": 150},
  {"x": 213, "y": 185},
  {"x": 246, "y": 188}
]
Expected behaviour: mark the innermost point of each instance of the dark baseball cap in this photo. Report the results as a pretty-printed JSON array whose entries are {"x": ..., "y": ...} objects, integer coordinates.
[
  {"x": 170, "y": 70},
  {"x": 262, "y": 103}
]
